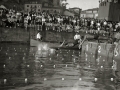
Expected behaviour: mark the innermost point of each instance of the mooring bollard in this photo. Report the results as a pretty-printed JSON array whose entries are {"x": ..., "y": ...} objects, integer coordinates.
[
  {"x": 63, "y": 79},
  {"x": 89, "y": 66},
  {"x": 5, "y": 81},
  {"x": 9, "y": 58},
  {"x": 112, "y": 67},
  {"x": 112, "y": 79},
  {"x": 103, "y": 60},
  {"x": 45, "y": 79},
  {"x": 15, "y": 53},
  {"x": 80, "y": 79},
  {"x": 95, "y": 79},
  {"x": 26, "y": 80},
  {"x": 28, "y": 66},
  {"x": 23, "y": 58},
  {"x": 54, "y": 66},
  {"x": 4, "y": 66},
  {"x": 101, "y": 67},
  {"x": 41, "y": 66},
  {"x": 78, "y": 66},
  {"x": 66, "y": 65},
  {"x": 50, "y": 59}
]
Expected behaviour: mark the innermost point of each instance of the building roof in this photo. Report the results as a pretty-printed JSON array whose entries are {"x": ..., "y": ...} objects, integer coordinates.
[
  {"x": 71, "y": 12},
  {"x": 84, "y": 11},
  {"x": 51, "y": 7},
  {"x": 33, "y": 2},
  {"x": 91, "y": 9}
]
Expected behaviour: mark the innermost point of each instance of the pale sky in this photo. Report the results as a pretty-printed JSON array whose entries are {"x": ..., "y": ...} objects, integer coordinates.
[{"x": 83, "y": 4}]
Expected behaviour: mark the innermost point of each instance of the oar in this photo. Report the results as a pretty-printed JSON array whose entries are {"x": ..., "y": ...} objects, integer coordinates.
[
  {"x": 82, "y": 42},
  {"x": 62, "y": 43}
]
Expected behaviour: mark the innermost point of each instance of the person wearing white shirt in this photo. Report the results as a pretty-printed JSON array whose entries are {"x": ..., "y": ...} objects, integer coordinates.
[
  {"x": 105, "y": 25},
  {"x": 39, "y": 36},
  {"x": 77, "y": 39}
]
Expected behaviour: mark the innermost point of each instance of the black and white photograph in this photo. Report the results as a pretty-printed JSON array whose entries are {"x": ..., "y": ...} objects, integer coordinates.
[{"x": 59, "y": 44}]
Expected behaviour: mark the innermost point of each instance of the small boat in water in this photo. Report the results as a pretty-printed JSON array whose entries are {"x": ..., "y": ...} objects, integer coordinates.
[{"x": 36, "y": 43}]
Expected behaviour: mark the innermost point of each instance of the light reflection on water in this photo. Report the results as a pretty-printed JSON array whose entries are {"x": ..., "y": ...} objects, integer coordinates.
[
  {"x": 43, "y": 51},
  {"x": 38, "y": 61}
]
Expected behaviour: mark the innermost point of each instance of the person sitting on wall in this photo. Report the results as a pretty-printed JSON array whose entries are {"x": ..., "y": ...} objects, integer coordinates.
[{"x": 39, "y": 36}]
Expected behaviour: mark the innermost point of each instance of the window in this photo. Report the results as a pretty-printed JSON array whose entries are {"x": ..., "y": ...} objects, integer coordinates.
[
  {"x": 38, "y": 9},
  {"x": 88, "y": 11},
  {"x": 27, "y": 5},
  {"x": 94, "y": 11}
]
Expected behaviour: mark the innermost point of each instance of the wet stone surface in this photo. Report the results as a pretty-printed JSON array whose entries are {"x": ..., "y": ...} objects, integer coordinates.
[{"x": 40, "y": 68}]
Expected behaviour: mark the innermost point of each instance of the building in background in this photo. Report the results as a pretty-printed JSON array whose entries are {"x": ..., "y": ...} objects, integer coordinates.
[
  {"x": 51, "y": 6},
  {"x": 69, "y": 13},
  {"x": 109, "y": 10},
  {"x": 34, "y": 7},
  {"x": 90, "y": 13}
]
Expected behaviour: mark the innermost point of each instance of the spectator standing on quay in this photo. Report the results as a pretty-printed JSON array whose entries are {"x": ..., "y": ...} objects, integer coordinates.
[
  {"x": 110, "y": 30},
  {"x": 105, "y": 25}
]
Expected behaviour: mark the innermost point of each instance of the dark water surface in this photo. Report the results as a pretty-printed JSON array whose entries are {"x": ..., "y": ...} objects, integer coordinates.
[{"x": 40, "y": 68}]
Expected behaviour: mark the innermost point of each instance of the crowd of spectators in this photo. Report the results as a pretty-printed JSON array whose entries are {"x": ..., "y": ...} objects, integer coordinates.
[{"x": 57, "y": 22}]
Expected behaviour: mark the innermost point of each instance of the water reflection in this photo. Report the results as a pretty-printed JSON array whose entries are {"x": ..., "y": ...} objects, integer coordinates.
[
  {"x": 43, "y": 51},
  {"x": 36, "y": 63}
]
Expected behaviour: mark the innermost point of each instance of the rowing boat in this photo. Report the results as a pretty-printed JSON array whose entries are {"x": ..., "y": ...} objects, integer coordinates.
[{"x": 36, "y": 43}]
